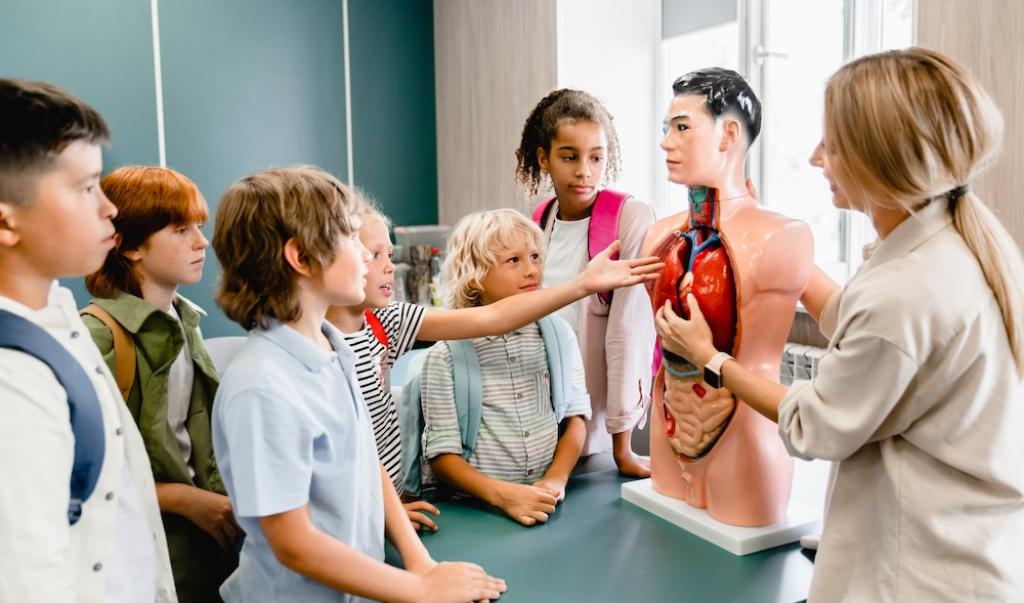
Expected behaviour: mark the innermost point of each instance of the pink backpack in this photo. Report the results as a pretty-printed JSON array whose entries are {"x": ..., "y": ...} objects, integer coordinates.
[{"x": 604, "y": 224}]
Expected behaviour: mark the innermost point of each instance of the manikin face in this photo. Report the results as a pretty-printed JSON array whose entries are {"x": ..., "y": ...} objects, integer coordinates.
[
  {"x": 576, "y": 162},
  {"x": 380, "y": 278},
  {"x": 65, "y": 229},
  {"x": 171, "y": 256},
  {"x": 517, "y": 271},
  {"x": 693, "y": 143}
]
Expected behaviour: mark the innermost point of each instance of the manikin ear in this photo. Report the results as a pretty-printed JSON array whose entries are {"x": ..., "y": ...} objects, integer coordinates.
[
  {"x": 9, "y": 236},
  {"x": 296, "y": 258},
  {"x": 731, "y": 133}
]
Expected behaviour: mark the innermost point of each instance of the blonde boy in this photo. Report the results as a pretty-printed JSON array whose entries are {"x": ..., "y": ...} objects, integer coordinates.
[{"x": 523, "y": 456}]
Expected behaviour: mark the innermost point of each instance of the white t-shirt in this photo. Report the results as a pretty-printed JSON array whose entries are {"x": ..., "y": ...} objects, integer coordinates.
[
  {"x": 569, "y": 241},
  {"x": 179, "y": 397}
]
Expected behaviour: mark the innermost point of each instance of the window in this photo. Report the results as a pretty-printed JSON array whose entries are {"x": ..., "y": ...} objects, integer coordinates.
[{"x": 787, "y": 49}]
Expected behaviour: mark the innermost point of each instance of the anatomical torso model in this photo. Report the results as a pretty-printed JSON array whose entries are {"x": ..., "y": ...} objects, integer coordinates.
[{"x": 747, "y": 267}]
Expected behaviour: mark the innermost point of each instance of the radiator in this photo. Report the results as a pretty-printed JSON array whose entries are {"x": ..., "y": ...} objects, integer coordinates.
[{"x": 799, "y": 362}]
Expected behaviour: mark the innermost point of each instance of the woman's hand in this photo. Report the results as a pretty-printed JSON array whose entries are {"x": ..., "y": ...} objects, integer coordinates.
[
  {"x": 690, "y": 339},
  {"x": 605, "y": 274}
]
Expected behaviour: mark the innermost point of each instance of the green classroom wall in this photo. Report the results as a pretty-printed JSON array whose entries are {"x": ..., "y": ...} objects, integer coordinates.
[
  {"x": 247, "y": 84},
  {"x": 393, "y": 114}
]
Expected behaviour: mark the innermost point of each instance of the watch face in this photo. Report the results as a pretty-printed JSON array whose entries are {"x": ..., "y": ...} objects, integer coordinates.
[{"x": 712, "y": 378}]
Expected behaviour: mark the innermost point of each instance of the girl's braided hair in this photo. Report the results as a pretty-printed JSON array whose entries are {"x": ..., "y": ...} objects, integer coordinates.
[{"x": 542, "y": 126}]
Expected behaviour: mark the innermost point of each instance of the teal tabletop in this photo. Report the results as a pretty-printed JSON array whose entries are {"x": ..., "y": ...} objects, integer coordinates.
[{"x": 598, "y": 547}]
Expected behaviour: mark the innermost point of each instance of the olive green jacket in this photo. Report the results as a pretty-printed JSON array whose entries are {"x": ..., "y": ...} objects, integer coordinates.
[
  {"x": 199, "y": 565},
  {"x": 158, "y": 341}
]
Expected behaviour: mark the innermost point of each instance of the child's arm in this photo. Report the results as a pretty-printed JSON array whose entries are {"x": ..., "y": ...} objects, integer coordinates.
[
  {"x": 208, "y": 510},
  {"x": 506, "y": 315},
  {"x": 400, "y": 532},
  {"x": 303, "y": 548},
  {"x": 573, "y": 428},
  {"x": 628, "y": 348},
  {"x": 526, "y": 504},
  {"x": 567, "y": 452}
]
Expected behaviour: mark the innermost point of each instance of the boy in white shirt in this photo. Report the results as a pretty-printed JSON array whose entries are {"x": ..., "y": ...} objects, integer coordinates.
[{"x": 55, "y": 222}]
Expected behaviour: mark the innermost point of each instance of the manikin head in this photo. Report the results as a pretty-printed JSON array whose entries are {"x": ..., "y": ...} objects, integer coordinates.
[{"x": 710, "y": 125}]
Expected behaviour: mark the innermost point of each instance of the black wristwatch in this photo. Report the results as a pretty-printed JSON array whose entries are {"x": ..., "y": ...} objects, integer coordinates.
[{"x": 713, "y": 369}]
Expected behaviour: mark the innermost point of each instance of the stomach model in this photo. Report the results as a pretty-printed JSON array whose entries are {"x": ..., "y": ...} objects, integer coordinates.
[{"x": 697, "y": 262}]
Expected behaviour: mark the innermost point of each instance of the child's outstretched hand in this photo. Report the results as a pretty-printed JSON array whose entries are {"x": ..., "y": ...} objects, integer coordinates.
[
  {"x": 457, "y": 582},
  {"x": 420, "y": 521},
  {"x": 528, "y": 505},
  {"x": 605, "y": 274}
]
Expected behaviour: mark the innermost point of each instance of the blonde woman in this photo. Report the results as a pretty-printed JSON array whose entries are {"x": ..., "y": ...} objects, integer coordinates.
[{"x": 919, "y": 398}]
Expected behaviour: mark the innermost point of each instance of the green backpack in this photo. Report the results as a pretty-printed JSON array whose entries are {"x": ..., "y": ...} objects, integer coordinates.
[{"x": 469, "y": 392}]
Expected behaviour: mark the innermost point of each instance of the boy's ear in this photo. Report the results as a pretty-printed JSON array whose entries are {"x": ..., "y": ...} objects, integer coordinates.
[
  {"x": 296, "y": 258},
  {"x": 9, "y": 236},
  {"x": 132, "y": 254}
]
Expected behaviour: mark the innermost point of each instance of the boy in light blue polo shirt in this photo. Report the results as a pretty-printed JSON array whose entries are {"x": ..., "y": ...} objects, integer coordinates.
[
  {"x": 291, "y": 434},
  {"x": 293, "y": 431}
]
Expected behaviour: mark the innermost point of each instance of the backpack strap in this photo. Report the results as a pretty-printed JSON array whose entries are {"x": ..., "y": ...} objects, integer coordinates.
[
  {"x": 542, "y": 212},
  {"x": 376, "y": 327},
  {"x": 86, "y": 415},
  {"x": 468, "y": 394},
  {"x": 604, "y": 224},
  {"x": 604, "y": 227},
  {"x": 124, "y": 348},
  {"x": 411, "y": 425},
  {"x": 468, "y": 391},
  {"x": 557, "y": 342}
]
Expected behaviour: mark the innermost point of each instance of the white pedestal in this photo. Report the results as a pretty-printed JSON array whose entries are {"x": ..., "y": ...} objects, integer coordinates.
[{"x": 799, "y": 521}]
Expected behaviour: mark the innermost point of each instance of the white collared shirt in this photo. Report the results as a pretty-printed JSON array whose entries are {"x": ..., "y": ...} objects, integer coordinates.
[
  {"x": 42, "y": 557},
  {"x": 918, "y": 401}
]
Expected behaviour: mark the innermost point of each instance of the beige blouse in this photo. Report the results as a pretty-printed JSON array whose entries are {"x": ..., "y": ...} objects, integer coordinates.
[{"x": 918, "y": 402}]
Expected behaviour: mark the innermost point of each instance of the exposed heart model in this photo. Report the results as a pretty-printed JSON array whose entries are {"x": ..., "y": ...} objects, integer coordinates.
[{"x": 697, "y": 261}]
